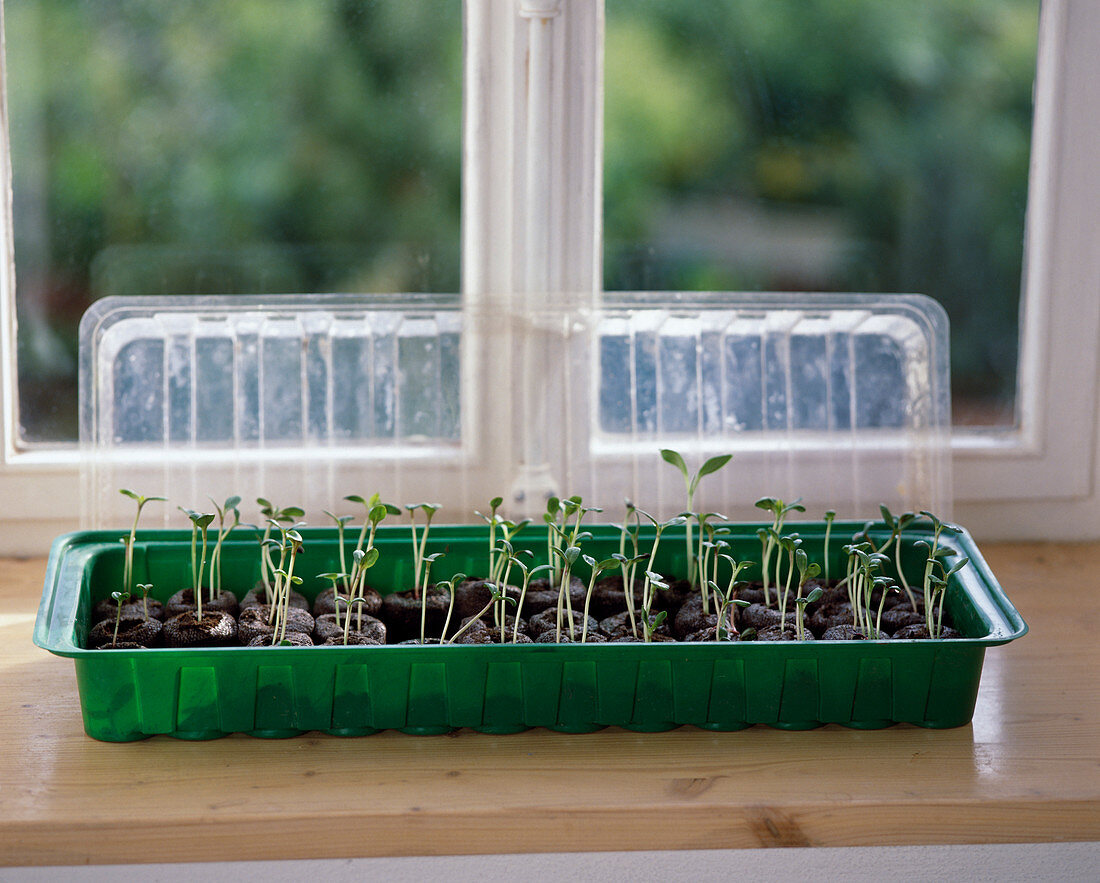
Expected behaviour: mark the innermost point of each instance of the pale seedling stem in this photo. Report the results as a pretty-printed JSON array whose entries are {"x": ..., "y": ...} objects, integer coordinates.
[
  {"x": 120, "y": 599},
  {"x": 128, "y": 568}
]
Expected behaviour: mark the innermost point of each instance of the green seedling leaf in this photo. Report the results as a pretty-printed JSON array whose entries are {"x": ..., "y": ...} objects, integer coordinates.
[
  {"x": 815, "y": 595},
  {"x": 496, "y": 502},
  {"x": 371, "y": 558},
  {"x": 674, "y": 458}
]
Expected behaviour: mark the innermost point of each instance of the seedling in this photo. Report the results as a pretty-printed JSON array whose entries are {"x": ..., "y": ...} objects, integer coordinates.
[
  {"x": 230, "y": 505},
  {"x": 897, "y": 525},
  {"x": 569, "y": 558},
  {"x": 627, "y": 566},
  {"x": 650, "y": 624},
  {"x": 800, "y": 610},
  {"x": 726, "y": 625},
  {"x": 706, "y": 548},
  {"x": 938, "y": 590},
  {"x": 789, "y": 544},
  {"x": 691, "y": 484},
  {"x": 770, "y": 538},
  {"x": 336, "y": 579},
  {"x": 120, "y": 598},
  {"x": 273, "y": 516},
  {"x": 595, "y": 569},
  {"x": 450, "y": 586},
  {"x": 145, "y": 589},
  {"x": 492, "y": 519},
  {"x": 568, "y": 539},
  {"x": 830, "y": 516},
  {"x": 418, "y": 548},
  {"x": 528, "y": 575},
  {"x": 376, "y": 512},
  {"x": 359, "y": 602},
  {"x": 286, "y": 579},
  {"x": 495, "y": 596},
  {"x": 341, "y": 522},
  {"x": 886, "y": 585},
  {"x": 807, "y": 570},
  {"x": 200, "y": 522},
  {"x": 864, "y": 565},
  {"x": 426, "y": 565},
  {"x": 361, "y": 562},
  {"x": 658, "y": 529},
  {"x": 128, "y": 567},
  {"x": 508, "y": 557}
]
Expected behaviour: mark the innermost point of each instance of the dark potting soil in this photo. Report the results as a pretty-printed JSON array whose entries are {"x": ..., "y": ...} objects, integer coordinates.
[
  {"x": 899, "y": 616},
  {"x": 491, "y": 635},
  {"x": 401, "y": 612},
  {"x": 253, "y": 621},
  {"x": 757, "y": 616},
  {"x": 608, "y": 597},
  {"x": 690, "y": 617},
  {"x": 550, "y": 637},
  {"x": 775, "y": 633},
  {"x": 540, "y": 596},
  {"x": 107, "y": 609},
  {"x": 674, "y": 597},
  {"x": 708, "y": 634},
  {"x": 325, "y": 627},
  {"x": 920, "y": 630},
  {"x": 131, "y": 630},
  {"x": 547, "y": 621},
  {"x": 123, "y": 645},
  {"x": 215, "y": 629},
  {"x": 184, "y": 600},
  {"x": 324, "y": 603},
  {"x": 847, "y": 632},
  {"x": 472, "y": 595},
  {"x": 825, "y": 618},
  {"x": 489, "y": 622},
  {"x": 355, "y": 639},
  {"x": 751, "y": 592},
  {"x": 293, "y": 639},
  {"x": 257, "y": 595}
]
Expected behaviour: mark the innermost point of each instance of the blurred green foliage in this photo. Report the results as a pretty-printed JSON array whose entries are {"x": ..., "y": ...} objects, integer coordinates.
[
  {"x": 899, "y": 130},
  {"x": 257, "y": 146},
  {"x": 315, "y": 145}
]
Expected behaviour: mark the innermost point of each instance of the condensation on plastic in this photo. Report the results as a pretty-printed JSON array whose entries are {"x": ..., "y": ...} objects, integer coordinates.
[{"x": 839, "y": 399}]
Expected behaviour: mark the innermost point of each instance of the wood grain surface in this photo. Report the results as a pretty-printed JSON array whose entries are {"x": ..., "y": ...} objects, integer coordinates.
[{"x": 1026, "y": 770}]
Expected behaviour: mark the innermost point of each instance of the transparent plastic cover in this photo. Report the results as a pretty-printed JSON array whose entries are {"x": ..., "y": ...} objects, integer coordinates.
[{"x": 841, "y": 400}]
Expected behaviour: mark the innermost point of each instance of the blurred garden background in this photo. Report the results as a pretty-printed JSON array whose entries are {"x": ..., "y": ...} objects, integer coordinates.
[{"x": 267, "y": 146}]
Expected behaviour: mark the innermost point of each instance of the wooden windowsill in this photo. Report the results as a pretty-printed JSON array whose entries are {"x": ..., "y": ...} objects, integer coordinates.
[{"x": 1026, "y": 770}]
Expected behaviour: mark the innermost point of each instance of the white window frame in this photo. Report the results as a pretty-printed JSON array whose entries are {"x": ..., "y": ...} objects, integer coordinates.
[{"x": 532, "y": 205}]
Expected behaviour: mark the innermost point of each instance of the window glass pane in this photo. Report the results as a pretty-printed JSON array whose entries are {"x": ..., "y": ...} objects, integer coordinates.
[
  {"x": 831, "y": 145},
  {"x": 201, "y": 147}
]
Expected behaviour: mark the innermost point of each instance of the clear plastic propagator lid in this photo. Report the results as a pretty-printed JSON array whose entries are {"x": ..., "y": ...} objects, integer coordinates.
[{"x": 841, "y": 400}]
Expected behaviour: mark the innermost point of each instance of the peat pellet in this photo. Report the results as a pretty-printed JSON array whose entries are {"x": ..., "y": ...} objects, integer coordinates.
[{"x": 215, "y": 629}]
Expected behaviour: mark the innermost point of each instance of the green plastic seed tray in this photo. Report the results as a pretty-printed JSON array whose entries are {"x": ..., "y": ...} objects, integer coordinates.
[{"x": 352, "y": 691}]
